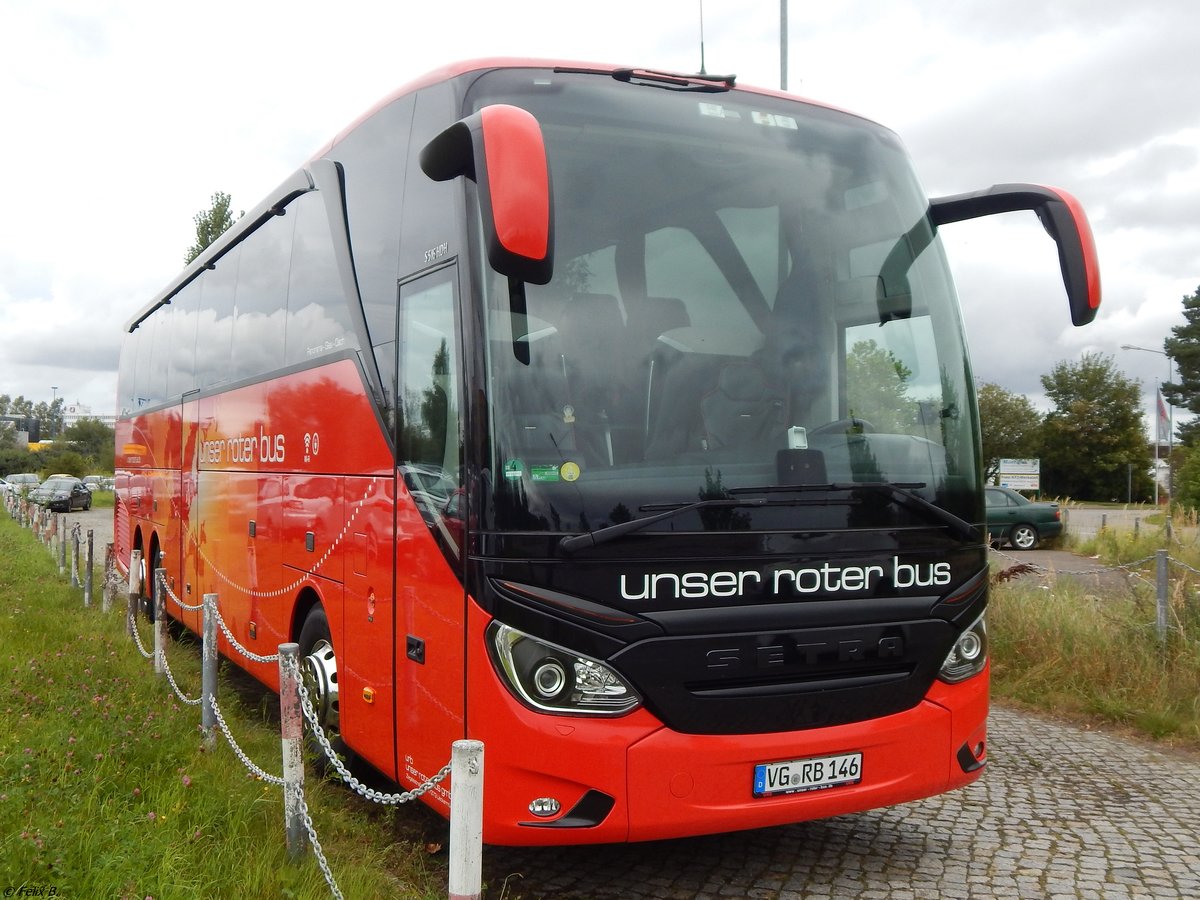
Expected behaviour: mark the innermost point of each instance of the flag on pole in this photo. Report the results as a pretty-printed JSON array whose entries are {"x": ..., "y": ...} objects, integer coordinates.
[{"x": 1164, "y": 422}]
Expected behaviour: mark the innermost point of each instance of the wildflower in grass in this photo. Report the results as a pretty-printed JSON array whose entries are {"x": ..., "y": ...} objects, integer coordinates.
[{"x": 187, "y": 781}]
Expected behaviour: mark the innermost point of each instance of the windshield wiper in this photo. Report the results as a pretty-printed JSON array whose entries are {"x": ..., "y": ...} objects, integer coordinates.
[
  {"x": 902, "y": 493},
  {"x": 675, "y": 81},
  {"x": 611, "y": 532}
]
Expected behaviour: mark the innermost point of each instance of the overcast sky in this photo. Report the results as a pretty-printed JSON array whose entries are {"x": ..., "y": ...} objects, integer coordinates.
[{"x": 122, "y": 117}]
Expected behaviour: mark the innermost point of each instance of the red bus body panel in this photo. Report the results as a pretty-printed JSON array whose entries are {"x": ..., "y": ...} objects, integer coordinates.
[{"x": 668, "y": 784}]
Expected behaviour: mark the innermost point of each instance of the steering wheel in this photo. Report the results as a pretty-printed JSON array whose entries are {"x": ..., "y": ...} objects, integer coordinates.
[{"x": 844, "y": 425}]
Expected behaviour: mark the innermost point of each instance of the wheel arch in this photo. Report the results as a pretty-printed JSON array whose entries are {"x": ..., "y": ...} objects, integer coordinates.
[{"x": 307, "y": 600}]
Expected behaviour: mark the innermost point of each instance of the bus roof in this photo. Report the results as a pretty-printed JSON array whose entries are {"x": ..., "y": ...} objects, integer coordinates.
[{"x": 299, "y": 182}]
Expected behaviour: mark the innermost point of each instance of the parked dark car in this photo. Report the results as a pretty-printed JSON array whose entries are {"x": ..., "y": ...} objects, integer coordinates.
[
  {"x": 1023, "y": 523},
  {"x": 63, "y": 493}
]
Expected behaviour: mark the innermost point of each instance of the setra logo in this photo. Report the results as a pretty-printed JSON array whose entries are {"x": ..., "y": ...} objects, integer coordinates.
[{"x": 796, "y": 652}]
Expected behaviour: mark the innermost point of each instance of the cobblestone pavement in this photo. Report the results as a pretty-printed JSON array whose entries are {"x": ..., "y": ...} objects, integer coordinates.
[{"x": 1061, "y": 812}]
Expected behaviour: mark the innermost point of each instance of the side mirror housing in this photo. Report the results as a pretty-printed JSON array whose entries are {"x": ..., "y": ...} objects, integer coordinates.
[
  {"x": 502, "y": 150},
  {"x": 1064, "y": 220}
]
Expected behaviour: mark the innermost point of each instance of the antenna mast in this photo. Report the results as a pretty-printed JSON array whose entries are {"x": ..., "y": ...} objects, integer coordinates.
[{"x": 702, "y": 72}]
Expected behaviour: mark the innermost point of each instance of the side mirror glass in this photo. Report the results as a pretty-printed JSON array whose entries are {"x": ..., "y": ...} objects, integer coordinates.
[{"x": 501, "y": 149}]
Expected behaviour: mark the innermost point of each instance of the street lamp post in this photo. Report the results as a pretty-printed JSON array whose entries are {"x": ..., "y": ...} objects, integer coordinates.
[{"x": 1170, "y": 421}]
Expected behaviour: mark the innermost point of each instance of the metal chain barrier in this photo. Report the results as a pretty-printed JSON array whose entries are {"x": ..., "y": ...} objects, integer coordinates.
[
  {"x": 316, "y": 844},
  {"x": 361, "y": 789},
  {"x": 233, "y": 642},
  {"x": 1128, "y": 568},
  {"x": 162, "y": 583},
  {"x": 246, "y": 761},
  {"x": 175, "y": 687},
  {"x": 137, "y": 638},
  {"x": 1184, "y": 565}
]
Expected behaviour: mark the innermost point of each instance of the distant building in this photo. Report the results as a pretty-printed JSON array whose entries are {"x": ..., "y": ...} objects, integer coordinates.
[{"x": 74, "y": 412}]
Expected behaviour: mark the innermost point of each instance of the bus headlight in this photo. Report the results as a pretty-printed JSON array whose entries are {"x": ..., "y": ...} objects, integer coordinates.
[
  {"x": 556, "y": 680},
  {"x": 968, "y": 656}
]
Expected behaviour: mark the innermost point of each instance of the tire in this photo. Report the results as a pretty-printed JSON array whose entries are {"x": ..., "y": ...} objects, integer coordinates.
[
  {"x": 1023, "y": 537},
  {"x": 318, "y": 668}
]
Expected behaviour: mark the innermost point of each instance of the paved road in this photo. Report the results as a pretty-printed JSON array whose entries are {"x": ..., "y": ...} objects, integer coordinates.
[{"x": 1060, "y": 812}]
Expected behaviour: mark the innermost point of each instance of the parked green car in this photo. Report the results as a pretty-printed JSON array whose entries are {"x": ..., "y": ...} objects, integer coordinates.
[{"x": 1023, "y": 523}]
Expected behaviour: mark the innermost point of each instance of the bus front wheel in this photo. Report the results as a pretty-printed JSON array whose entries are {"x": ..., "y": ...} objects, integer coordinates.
[{"x": 318, "y": 668}]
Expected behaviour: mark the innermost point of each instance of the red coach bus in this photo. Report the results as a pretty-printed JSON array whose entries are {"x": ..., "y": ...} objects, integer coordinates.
[{"x": 619, "y": 419}]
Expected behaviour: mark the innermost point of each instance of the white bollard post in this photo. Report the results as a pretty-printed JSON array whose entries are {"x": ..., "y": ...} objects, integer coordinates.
[
  {"x": 75, "y": 582},
  {"x": 110, "y": 579},
  {"x": 466, "y": 820},
  {"x": 135, "y": 577},
  {"x": 160, "y": 621},
  {"x": 1162, "y": 595},
  {"x": 87, "y": 576},
  {"x": 208, "y": 672},
  {"x": 291, "y": 721}
]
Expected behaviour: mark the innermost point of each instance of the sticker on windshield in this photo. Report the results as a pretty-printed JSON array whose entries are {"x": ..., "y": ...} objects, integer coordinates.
[
  {"x": 514, "y": 468},
  {"x": 543, "y": 473},
  {"x": 717, "y": 111},
  {"x": 569, "y": 471},
  {"x": 771, "y": 120}
]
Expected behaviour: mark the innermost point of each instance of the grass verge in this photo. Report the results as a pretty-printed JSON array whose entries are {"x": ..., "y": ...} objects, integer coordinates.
[
  {"x": 1071, "y": 649},
  {"x": 106, "y": 790}
]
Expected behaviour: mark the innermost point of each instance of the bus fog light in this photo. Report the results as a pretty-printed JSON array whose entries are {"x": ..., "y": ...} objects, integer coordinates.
[
  {"x": 545, "y": 807},
  {"x": 968, "y": 656},
  {"x": 554, "y": 679}
]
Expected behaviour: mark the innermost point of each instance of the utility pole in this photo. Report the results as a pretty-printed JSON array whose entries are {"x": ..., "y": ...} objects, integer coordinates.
[{"x": 783, "y": 45}]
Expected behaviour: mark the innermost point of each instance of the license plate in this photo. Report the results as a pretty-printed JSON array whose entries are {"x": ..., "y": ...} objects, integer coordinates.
[{"x": 813, "y": 774}]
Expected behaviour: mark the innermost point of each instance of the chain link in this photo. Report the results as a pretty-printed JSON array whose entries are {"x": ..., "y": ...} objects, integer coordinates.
[
  {"x": 1128, "y": 568},
  {"x": 316, "y": 844},
  {"x": 357, "y": 786},
  {"x": 162, "y": 583},
  {"x": 249, "y": 654},
  {"x": 175, "y": 687},
  {"x": 1184, "y": 565},
  {"x": 255, "y": 770},
  {"x": 137, "y": 638}
]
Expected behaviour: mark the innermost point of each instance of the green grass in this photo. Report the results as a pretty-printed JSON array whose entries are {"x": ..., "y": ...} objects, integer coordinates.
[
  {"x": 106, "y": 789},
  {"x": 103, "y": 499},
  {"x": 1095, "y": 653}
]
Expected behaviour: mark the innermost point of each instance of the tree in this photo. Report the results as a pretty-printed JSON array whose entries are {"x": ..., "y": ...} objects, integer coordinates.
[
  {"x": 1093, "y": 442},
  {"x": 210, "y": 224},
  {"x": 877, "y": 388},
  {"x": 1010, "y": 425},
  {"x": 1183, "y": 348},
  {"x": 94, "y": 440},
  {"x": 50, "y": 415}
]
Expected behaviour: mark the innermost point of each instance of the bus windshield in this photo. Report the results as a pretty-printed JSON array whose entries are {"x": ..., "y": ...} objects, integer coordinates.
[{"x": 749, "y": 304}]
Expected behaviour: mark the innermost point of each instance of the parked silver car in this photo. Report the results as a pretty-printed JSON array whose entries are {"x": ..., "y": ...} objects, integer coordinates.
[{"x": 21, "y": 483}]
